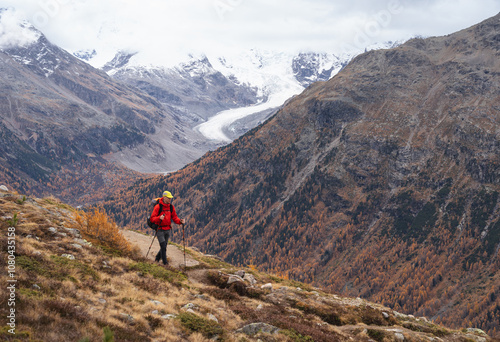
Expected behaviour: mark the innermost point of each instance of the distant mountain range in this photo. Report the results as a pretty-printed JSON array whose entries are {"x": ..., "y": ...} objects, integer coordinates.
[
  {"x": 382, "y": 182},
  {"x": 204, "y": 85}
]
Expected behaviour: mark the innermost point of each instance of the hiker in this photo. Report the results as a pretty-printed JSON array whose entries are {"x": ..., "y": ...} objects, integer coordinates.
[{"x": 164, "y": 220}]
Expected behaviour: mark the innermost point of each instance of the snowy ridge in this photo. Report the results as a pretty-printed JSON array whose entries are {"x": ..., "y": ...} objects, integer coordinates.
[{"x": 270, "y": 72}]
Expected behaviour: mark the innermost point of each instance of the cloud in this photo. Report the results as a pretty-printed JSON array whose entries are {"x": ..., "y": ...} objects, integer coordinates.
[
  {"x": 167, "y": 30},
  {"x": 14, "y": 31}
]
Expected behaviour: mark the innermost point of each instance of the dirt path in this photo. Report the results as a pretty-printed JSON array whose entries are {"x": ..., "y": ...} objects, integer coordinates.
[{"x": 174, "y": 254}]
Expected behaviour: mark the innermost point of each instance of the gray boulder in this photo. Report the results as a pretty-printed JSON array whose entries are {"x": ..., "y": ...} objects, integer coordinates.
[
  {"x": 254, "y": 328},
  {"x": 234, "y": 279},
  {"x": 250, "y": 279}
]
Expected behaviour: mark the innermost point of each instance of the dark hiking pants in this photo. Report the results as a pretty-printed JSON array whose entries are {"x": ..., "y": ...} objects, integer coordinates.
[{"x": 162, "y": 236}]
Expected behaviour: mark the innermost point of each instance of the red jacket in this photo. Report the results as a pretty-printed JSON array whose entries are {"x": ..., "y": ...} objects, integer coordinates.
[{"x": 170, "y": 215}]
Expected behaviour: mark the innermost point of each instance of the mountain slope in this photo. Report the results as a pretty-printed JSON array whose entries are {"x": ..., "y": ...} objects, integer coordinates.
[
  {"x": 382, "y": 182},
  {"x": 66, "y": 288}
]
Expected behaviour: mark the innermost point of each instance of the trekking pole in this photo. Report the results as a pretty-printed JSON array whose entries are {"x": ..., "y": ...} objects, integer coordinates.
[
  {"x": 184, "y": 242},
  {"x": 156, "y": 232}
]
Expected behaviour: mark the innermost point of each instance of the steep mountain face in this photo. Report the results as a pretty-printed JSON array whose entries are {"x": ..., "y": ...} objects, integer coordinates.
[
  {"x": 313, "y": 67},
  {"x": 62, "y": 118},
  {"x": 382, "y": 182}
]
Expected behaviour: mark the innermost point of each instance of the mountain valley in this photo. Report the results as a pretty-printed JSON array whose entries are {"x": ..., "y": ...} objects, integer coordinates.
[{"x": 372, "y": 176}]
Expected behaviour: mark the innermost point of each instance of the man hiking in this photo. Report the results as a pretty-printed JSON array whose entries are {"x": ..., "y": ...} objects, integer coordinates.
[{"x": 163, "y": 218}]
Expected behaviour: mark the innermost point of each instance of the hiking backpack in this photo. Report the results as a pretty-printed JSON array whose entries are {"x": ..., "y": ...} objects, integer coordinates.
[{"x": 152, "y": 225}]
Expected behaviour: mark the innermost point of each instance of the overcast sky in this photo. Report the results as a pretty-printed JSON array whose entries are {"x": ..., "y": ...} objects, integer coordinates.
[{"x": 170, "y": 27}]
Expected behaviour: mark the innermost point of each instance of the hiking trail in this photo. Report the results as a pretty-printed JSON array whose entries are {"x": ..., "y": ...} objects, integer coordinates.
[{"x": 175, "y": 255}]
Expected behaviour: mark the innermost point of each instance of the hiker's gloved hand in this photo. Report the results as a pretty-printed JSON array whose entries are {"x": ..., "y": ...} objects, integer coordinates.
[{"x": 183, "y": 221}]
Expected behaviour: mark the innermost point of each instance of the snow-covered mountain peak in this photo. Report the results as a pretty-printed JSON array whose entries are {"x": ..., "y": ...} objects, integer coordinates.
[
  {"x": 197, "y": 66},
  {"x": 269, "y": 71},
  {"x": 85, "y": 55},
  {"x": 121, "y": 59},
  {"x": 15, "y": 31}
]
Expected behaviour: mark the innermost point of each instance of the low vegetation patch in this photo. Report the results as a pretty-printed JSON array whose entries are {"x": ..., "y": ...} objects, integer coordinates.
[
  {"x": 221, "y": 294},
  {"x": 23, "y": 335},
  {"x": 83, "y": 269},
  {"x": 195, "y": 323},
  {"x": 66, "y": 309},
  {"x": 154, "y": 322},
  {"x": 329, "y": 315},
  {"x": 151, "y": 285},
  {"x": 283, "y": 280},
  {"x": 426, "y": 328},
  {"x": 377, "y": 335},
  {"x": 59, "y": 204},
  {"x": 343, "y": 315},
  {"x": 159, "y": 272},
  {"x": 372, "y": 316},
  {"x": 295, "y": 326},
  {"x": 295, "y": 336}
]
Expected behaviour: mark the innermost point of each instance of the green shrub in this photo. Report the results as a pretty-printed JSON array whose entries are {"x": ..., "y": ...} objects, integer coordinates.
[
  {"x": 84, "y": 270},
  {"x": 159, "y": 272},
  {"x": 30, "y": 293},
  {"x": 18, "y": 336},
  {"x": 56, "y": 267},
  {"x": 295, "y": 336},
  {"x": 377, "y": 335},
  {"x": 109, "y": 336},
  {"x": 13, "y": 222},
  {"x": 33, "y": 265},
  {"x": 195, "y": 323}
]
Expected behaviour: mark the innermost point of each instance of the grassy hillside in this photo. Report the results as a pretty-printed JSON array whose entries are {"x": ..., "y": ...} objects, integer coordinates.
[{"x": 77, "y": 279}]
